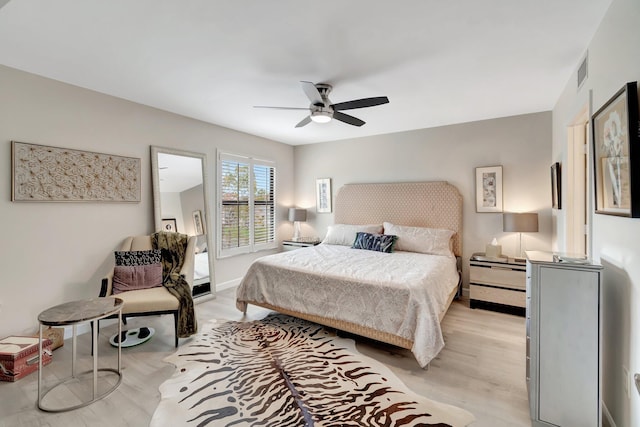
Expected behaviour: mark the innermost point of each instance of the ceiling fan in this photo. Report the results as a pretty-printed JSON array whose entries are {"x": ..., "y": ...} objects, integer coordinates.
[{"x": 322, "y": 110}]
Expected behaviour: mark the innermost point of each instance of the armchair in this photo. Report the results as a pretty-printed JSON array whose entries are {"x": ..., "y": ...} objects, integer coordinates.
[{"x": 155, "y": 300}]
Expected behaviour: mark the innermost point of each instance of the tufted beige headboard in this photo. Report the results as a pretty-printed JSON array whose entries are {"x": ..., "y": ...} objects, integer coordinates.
[{"x": 435, "y": 204}]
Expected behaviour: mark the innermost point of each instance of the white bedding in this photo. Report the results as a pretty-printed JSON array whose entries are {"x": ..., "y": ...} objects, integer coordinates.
[
  {"x": 401, "y": 293},
  {"x": 201, "y": 266}
]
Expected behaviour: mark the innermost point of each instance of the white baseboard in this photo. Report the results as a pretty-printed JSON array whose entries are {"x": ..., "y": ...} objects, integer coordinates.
[
  {"x": 607, "y": 421},
  {"x": 203, "y": 298},
  {"x": 227, "y": 285}
]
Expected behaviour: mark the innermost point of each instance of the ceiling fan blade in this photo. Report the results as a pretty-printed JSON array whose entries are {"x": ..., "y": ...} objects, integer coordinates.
[
  {"x": 281, "y": 108},
  {"x": 312, "y": 92},
  {"x": 347, "y": 118},
  {"x": 361, "y": 103},
  {"x": 304, "y": 122}
]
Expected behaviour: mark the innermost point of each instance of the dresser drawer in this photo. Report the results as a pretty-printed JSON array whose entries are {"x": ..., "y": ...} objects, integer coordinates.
[
  {"x": 497, "y": 295},
  {"x": 498, "y": 276}
]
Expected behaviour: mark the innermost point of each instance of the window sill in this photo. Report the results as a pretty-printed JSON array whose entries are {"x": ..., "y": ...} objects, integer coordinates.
[{"x": 239, "y": 252}]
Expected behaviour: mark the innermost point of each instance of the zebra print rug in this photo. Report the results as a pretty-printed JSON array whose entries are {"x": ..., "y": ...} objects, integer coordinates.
[{"x": 282, "y": 371}]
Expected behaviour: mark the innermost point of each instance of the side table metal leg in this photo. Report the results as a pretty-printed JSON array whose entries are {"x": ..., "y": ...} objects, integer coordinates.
[
  {"x": 73, "y": 351},
  {"x": 40, "y": 354},
  {"x": 95, "y": 360},
  {"x": 119, "y": 340}
]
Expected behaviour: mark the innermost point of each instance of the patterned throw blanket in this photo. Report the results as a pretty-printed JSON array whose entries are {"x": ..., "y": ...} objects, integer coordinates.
[
  {"x": 282, "y": 371},
  {"x": 173, "y": 247}
]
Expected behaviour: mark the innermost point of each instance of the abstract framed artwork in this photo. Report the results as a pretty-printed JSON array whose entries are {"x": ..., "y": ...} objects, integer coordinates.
[
  {"x": 616, "y": 154},
  {"x": 323, "y": 195},
  {"x": 489, "y": 189},
  {"x": 41, "y": 173},
  {"x": 556, "y": 188},
  {"x": 169, "y": 224}
]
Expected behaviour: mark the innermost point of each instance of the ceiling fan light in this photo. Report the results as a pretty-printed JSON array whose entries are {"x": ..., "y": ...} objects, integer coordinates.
[{"x": 321, "y": 116}]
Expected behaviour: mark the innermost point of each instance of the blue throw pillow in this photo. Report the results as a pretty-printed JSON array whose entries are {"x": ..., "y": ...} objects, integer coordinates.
[{"x": 374, "y": 242}]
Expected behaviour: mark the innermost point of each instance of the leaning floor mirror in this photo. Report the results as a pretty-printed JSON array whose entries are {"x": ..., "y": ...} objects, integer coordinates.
[{"x": 181, "y": 204}]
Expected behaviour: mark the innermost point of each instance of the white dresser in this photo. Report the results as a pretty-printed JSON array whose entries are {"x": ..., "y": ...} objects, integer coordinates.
[{"x": 563, "y": 341}]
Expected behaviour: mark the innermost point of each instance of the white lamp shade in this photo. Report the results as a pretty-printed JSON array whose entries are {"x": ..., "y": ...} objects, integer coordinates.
[
  {"x": 520, "y": 222},
  {"x": 296, "y": 214}
]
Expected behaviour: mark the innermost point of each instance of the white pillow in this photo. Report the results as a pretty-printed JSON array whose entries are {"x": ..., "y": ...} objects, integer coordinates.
[
  {"x": 424, "y": 240},
  {"x": 345, "y": 234}
]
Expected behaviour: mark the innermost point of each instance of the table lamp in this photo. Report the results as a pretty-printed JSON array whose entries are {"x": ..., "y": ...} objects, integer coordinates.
[
  {"x": 296, "y": 215},
  {"x": 520, "y": 223}
]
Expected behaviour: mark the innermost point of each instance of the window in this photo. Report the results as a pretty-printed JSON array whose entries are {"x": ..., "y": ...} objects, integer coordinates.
[{"x": 246, "y": 204}]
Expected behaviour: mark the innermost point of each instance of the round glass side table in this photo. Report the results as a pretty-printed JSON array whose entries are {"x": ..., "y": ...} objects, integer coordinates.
[{"x": 72, "y": 314}]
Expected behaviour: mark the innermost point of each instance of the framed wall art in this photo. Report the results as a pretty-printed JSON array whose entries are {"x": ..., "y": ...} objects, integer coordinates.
[
  {"x": 198, "y": 225},
  {"x": 169, "y": 224},
  {"x": 556, "y": 187},
  {"x": 323, "y": 195},
  {"x": 40, "y": 173},
  {"x": 489, "y": 189},
  {"x": 616, "y": 155}
]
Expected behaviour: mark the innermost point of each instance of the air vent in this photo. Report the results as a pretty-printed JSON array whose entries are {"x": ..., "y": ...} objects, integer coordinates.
[{"x": 582, "y": 71}]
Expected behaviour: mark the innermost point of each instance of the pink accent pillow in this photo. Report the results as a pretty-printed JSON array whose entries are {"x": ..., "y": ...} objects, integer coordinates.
[{"x": 135, "y": 277}]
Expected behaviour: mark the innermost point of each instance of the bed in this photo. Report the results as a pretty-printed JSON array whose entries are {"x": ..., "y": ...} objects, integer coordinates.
[
  {"x": 399, "y": 298},
  {"x": 201, "y": 268},
  {"x": 201, "y": 281}
]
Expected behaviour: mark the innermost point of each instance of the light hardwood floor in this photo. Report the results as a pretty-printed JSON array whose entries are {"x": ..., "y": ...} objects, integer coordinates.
[{"x": 481, "y": 369}]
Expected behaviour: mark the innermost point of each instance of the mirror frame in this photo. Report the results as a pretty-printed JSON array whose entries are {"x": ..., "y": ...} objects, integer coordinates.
[{"x": 157, "y": 214}]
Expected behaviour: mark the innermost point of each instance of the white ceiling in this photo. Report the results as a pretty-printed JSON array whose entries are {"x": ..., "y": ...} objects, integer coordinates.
[
  {"x": 178, "y": 173},
  {"x": 439, "y": 62}
]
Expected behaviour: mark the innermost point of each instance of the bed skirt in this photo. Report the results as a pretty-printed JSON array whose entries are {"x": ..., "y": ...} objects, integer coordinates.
[{"x": 354, "y": 328}]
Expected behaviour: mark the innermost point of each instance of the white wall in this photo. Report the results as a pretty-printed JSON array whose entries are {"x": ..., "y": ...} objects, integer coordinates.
[
  {"x": 171, "y": 207},
  {"x": 521, "y": 144},
  {"x": 192, "y": 200},
  {"x": 613, "y": 61},
  {"x": 58, "y": 252}
]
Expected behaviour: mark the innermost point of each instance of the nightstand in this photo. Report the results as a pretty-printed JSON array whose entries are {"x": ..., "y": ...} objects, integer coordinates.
[
  {"x": 497, "y": 284},
  {"x": 290, "y": 245}
]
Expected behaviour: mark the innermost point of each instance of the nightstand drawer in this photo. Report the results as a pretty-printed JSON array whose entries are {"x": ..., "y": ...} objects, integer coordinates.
[
  {"x": 497, "y": 295},
  {"x": 289, "y": 245},
  {"x": 498, "y": 276}
]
